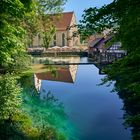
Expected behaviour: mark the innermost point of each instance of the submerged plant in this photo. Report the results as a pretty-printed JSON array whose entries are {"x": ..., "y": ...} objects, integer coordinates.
[{"x": 47, "y": 114}]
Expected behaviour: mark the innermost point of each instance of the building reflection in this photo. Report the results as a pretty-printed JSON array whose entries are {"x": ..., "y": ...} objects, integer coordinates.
[
  {"x": 63, "y": 73},
  {"x": 53, "y": 60},
  {"x": 101, "y": 68}
]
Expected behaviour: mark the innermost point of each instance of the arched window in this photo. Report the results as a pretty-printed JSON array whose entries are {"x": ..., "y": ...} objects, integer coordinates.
[
  {"x": 54, "y": 38},
  {"x": 39, "y": 40},
  {"x": 63, "y": 39}
]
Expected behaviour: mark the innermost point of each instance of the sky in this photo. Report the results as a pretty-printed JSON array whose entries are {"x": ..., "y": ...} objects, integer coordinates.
[{"x": 78, "y": 6}]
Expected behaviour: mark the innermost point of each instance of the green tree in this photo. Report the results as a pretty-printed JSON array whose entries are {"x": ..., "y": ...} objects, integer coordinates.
[
  {"x": 122, "y": 17},
  {"x": 12, "y": 33},
  {"x": 10, "y": 99},
  {"x": 48, "y": 30},
  {"x": 17, "y": 21},
  {"x": 20, "y": 21},
  {"x": 10, "y": 102},
  {"x": 19, "y": 117},
  {"x": 48, "y": 9},
  {"x": 14, "y": 123}
]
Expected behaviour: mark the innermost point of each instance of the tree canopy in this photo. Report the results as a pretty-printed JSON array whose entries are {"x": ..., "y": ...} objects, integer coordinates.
[
  {"x": 21, "y": 20},
  {"x": 123, "y": 18}
]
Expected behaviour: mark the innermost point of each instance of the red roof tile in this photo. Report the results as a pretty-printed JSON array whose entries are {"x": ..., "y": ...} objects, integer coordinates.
[{"x": 64, "y": 21}]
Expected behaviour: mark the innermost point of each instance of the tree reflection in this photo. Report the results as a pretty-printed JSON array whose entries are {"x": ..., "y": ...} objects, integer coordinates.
[
  {"x": 127, "y": 88},
  {"x": 47, "y": 113}
]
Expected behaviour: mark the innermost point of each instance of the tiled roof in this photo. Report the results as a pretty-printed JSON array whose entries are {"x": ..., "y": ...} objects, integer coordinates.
[
  {"x": 63, "y": 22},
  {"x": 95, "y": 42},
  {"x": 62, "y": 75}
]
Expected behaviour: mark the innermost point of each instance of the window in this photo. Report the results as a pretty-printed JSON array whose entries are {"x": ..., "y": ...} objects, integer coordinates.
[
  {"x": 39, "y": 40},
  {"x": 63, "y": 39},
  {"x": 54, "y": 42}
]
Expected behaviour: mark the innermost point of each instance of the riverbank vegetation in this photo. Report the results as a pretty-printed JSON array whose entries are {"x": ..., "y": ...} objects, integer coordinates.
[
  {"x": 26, "y": 116},
  {"x": 122, "y": 17},
  {"x": 19, "y": 23}
]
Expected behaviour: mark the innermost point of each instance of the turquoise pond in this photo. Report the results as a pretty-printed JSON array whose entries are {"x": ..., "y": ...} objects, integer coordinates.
[{"x": 93, "y": 111}]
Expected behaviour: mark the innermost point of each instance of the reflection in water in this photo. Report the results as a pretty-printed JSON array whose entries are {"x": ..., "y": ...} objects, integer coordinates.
[
  {"x": 50, "y": 60},
  {"x": 47, "y": 112},
  {"x": 95, "y": 112},
  {"x": 65, "y": 73},
  {"x": 101, "y": 68}
]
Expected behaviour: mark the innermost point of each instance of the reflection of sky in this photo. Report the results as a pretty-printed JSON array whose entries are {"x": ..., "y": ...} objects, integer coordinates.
[{"x": 93, "y": 109}]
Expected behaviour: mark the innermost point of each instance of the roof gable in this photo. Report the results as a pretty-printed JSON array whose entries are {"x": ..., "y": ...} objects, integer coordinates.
[
  {"x": 64, "y": 21},
  {"x": 95, "y": 42},
  {"x": 62, "y": 75}
]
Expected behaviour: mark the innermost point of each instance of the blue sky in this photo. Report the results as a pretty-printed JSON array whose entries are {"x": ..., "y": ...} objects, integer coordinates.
[{"x": 78, "y": 6}]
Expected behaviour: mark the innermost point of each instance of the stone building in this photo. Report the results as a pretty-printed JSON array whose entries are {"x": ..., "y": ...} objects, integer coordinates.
[{"x": 65, "y": 29}]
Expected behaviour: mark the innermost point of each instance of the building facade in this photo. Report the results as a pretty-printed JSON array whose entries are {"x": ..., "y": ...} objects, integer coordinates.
[
  {"x": 105, "y": 54},
  {"x": 66, "y": 30}
]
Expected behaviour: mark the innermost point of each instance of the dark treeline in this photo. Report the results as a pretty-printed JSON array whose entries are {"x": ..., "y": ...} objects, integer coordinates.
[{"x": 122, "y": 17}]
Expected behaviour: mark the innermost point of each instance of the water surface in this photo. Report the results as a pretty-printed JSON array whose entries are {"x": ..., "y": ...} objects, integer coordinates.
[{"x": 94, "y": 110}]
